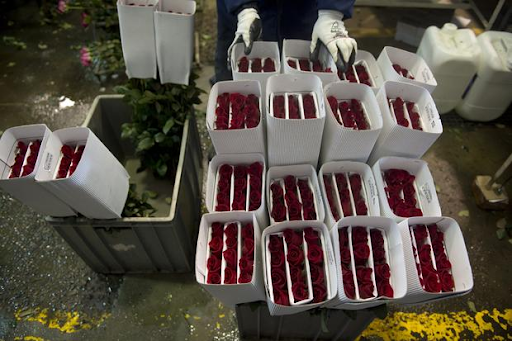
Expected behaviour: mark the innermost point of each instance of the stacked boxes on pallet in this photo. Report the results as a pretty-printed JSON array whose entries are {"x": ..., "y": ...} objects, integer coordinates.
[{"x": 354, "y": 236}]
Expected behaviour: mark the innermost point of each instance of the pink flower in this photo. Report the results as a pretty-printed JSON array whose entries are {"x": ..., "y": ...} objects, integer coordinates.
[
  {"x": 62, "y": 6},
  {"x": 86, "y": 19},
  {"x": 85, "y": 56}
]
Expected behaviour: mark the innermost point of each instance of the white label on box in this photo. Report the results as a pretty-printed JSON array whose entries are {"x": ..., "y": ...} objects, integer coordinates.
[
  {"x": 430, "y": 115},
  {"x": 48, "y": 161},
  {"x": 426, "y": 75},
  {"x": 372, "y": 190},
  {"x": 427, "y": 193}
]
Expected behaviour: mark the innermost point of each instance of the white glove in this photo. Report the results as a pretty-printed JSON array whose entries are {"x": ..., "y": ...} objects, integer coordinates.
[
  {"x": 248, "y": 30},
  {"x": 329, "y": 28}
]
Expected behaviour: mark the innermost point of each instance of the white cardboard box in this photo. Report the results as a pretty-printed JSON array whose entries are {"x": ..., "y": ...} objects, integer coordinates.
[
  {"x": 231, "y": 294},
  {"x": 136, "y": 23},
  {"x": 329, "y": 266},
  {"x": 25, "y": 188},
  {"x": 99, "y": 186},
  {"x": 294, "y": 141},
  {"x": 235, "y": 159},
  {"x": 298, "y": 171},
  {"x": 236, "y": 141},
  {"x": 300, "y": 49},
  {"x": 394, "y": 254},
  {"x": 260, "y": 49},
  {"x": 368, "y": 60},
  {"x": 455, "y": 250},
  {"x": 423, "y": 184},
  {"x": 175, "y": 40},
  {"x": 370, "y": 190},
  {"x": 423, "y": 77},
  {"x": 342, "y": 143},
  {"x": 396, "y": 140}
]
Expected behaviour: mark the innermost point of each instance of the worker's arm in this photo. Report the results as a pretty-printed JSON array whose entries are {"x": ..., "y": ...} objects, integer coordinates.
[
  {"x": 249, "y": 24},
  {"x": 330, "y": 30}
]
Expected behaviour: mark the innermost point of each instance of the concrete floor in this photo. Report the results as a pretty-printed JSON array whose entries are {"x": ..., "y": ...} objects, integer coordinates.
[{"x": 48, "y": 293}]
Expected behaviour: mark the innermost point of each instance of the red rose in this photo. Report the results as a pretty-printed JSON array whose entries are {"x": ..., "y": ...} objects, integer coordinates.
[
  {"x": 256, "y": 65},
  {"x": 315, "y": 254},
  {"x": 281, "y": 297},
  {"x": 27, "y": 170},
  {"x": 277, "y": 259},
  {"x": 317, "y": 67},
  {"x": 366, "y": 290},
  {"x": 345, "y": 255},
  {"x": 222, "y": 208},
  {"x": 350, "y": 289},
  {"x": 216, "y": 244},
  {"x": 432, "y": 282},
  {"x": 231, "y": 230},
  {"x": 245, "y": 277},
  {"x": 268, "y": 65},
  {"x": 420, "y": 232},
  {"x": 243, "y": 64},
  {"x": 364, "y": 275},
  {"x": 22, "y": 147},
  {"x": 443, "y": 263},
  {"x": 345, "y": 203},
  {"x": 295, "y": 255},
  {"x": 255, "y": 182},
  {"x": 231, "y": 242},
  {"x": 213, "y": 264},
  {"x": 278, "y": 212},
  {"x": 304, "y": 65},
  {"x": 64, "y": 163},
  {"x": 359, "y": 234},
  {"x": 424, "y": 254},
  {"x": 213, "y": 278},
  {"x": 296, "y": 274},
  {"x": 278, "y": 278},
  {"x": 246, "y": 264},
  {"x": 356, "y": 182},
  {"x": 361, "y": 208},
  {"x": 240, "y": 172},
  {"x": 447, "y": 282},
  {"x": 299, "y": 291},
  {"x": 379, "y": 254},
  {"x": 319, "y": 293},
  {"x": 292, "y": 64},
  {"x": 377, "y": 238},
  {"x": 275, "y": 243},
  {"x": 295, "y": 211},
  {"x": 230, "y": 256},
  {"x": 248, "y": 248},
  {"x": 229, "y": 276},
  {"x": 293, "y": 237},
  {"x": 256, "y": 169},
  {"x": 225, "y": 171},
  {"x": 254, "y": 199},
  {"x": 277, "y": 190},
  {"x": 31, "y": 160},
  {"x": 361, "y": 253},
  {"x": 343, "y": 236},
  {"x": 217, "y": 229},
  {"x": 61, "y": 174},
  {"x": 382, "y": 271},
  {"x": 240, "y": 184},
  {"x": 310, "y": 235},
  {"x": 317, "y": 274},
  {"x": 385, "y": 289}
]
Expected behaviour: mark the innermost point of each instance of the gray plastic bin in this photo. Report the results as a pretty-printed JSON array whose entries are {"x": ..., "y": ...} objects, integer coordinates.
[
  {"x": 140, "y": 245},
  {"x": 256, "y": 323}
]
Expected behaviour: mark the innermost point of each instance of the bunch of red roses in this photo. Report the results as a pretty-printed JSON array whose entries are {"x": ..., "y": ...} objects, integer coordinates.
[
  {"x": 346, "y": 264},
  {"x": 363, "y": 76},
  {"x": 307, "y": 198},
  {"x": 351, "y": 113},
  {"x": 214, "y": 261},
  {"x": 244, "y": 111},
  {"x": 308, "y": 105},
  {"x": 402, "y": 71},
  {"x": 278, "y": 212},
  {"x": 256, "y": 65},
  {"x": 243, "y": 176},
  {"x": 307, "y": 65},
  {"x": 69, "y": 161},
  {"x": 21, "y": 167},
  {"x": 316, "y": 264},
  {"x": 295, "y": 259},
  {"x": 413, "y": 115},
  {"x": 292, "y": 200},
  {"x": 230, "y": 253},
  {"x": 278, "y": 107},
  {"x": 397, "y": 107},
  {"x": 401, "y": 193},
  {"x": 329, "y": 189},
  {"x": 432, "y": 279},
  {"x": 278, "y": 270},
  {"x": 293, "y": 107},
  {"x": 246, "y": 263},
  {"x": 358, "y": 194},
  {"x": 382, "y": 269},
  {"x": 361, "y": 259},
  {"x": 344, "y": 194}
]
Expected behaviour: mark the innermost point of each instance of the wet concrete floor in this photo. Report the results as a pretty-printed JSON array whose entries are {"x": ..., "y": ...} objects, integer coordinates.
[{"x": 48, "y": 293}]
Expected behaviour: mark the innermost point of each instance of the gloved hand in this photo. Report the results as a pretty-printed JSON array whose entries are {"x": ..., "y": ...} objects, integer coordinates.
[
  {"x": 248, "y": 30},
  {"x": 330, "y": 30}
]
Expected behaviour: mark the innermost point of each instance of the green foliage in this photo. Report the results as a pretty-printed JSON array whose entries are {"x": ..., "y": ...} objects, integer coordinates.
[
  {"x": 106, "y": 56},
  {"x": 138, "y": 206},
  {"x": 159, "y": 113},
  {"x": 11, "y": 41}
]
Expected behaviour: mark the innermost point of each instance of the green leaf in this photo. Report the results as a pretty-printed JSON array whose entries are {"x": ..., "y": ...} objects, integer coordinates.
[
  {"x": 159, "y": 137},
  {"x": 145, "y": 144},
  {"x": 168, "y": 125},
  {"x": 158, "y": 107},
  {"x": 168, "y": 200},
  {"x": 501, "y": 233},
  {"x": 162, "y": 169},
  {"x": 175, "y": 107},
  {"x": 152, "y": 194}
]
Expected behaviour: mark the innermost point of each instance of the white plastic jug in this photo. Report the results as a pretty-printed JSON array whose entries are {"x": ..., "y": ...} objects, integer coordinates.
[
  {"x": 491, "y": 92},
  {"x": 452, "y": 55}
]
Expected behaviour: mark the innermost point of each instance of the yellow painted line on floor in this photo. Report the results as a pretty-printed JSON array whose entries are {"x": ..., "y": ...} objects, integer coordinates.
[
  {"x": 434, "y": 326},
  {"x": 66, "y": 322},
  {"x": 29, "y": 338}
]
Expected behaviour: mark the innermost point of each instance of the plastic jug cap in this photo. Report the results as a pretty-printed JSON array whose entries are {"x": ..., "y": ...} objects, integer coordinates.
[{"x": 449, "y": 28}]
